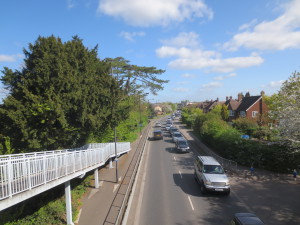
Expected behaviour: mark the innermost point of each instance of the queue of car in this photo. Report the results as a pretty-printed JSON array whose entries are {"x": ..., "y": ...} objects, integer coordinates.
[{"x": 208, "y": 172}]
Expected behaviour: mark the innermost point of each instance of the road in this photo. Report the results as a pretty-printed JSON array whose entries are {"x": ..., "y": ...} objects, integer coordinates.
[{"x": 167, "y": 193}]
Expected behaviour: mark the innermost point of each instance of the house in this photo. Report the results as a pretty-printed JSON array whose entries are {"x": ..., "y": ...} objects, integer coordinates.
[
  {"x": 232, "y": 106},
  {"x": 246, "y": 106},
  {"x": 212, "y": 105},
  {"x": 158, "y": 109}
]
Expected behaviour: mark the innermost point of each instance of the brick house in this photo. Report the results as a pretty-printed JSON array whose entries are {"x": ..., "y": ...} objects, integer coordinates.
[{"x": 246, "y": 106}]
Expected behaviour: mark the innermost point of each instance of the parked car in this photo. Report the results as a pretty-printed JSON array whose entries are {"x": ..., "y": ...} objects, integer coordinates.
[
  {"x": 176, "y": 135},
  {"x": 246, "y": 219},
  {"x": 211, "y": 176},
  {"x": 182, "y": 145},
  {"x": 157, "y": 135}
]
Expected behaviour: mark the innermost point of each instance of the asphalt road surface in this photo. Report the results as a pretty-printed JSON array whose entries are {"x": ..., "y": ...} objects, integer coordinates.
[{"x": 167, "y": 193}]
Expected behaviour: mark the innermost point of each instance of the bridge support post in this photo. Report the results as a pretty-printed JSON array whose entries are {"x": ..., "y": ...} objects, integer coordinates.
[
  {"x": 110, "y": 164},
  {"x": 96, "y": 177},
  {"x": 68, "y": 203}
]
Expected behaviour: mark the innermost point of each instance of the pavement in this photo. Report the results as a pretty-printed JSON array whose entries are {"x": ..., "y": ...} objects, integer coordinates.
[{"x": 98, "y": 203}]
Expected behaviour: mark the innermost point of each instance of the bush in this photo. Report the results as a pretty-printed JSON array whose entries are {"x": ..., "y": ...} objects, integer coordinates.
[{"x": 245, "y": 125}]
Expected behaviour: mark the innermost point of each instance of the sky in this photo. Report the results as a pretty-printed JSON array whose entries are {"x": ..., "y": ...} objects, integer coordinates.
[{"x": 208, "y": 48}]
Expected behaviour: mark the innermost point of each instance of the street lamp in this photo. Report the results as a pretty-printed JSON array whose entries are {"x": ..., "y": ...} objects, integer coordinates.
[
  {"x": 115, "y": 129},
  {"x": 140, "y": 125}
]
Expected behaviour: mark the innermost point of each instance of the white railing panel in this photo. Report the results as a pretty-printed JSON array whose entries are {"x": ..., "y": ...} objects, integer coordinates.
[{"x": 21, "y": 172}]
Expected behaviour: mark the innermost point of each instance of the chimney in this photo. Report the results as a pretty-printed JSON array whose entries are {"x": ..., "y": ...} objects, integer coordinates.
[
  {"x": 247, "y": 94},
  {"x": 230, "y": 97},
  {"x": 217, "y": 99},
  {"x": 240, "y": 96},
  {"x": 262, "y": 93},
  {"x": 226, "y": 98}
]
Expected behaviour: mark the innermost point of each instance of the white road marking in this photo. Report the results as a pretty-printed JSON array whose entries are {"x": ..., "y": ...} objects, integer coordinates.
[
  {"x": 191, "y": 203},
  {"x": 101, "y": 183},
  {"x": 180, "y": 174},
  {"x": 120, "y": 178},
  {"x": 174, "y": 158},
  {"x": 115, "y": 187}
]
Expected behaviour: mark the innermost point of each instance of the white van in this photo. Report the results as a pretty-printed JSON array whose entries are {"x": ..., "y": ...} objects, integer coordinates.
[{"x": 211, "y": 176}]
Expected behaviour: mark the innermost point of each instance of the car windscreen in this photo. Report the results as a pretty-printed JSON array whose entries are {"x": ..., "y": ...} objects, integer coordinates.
[
  {"x": 183, "y": 144},
  {"x": 213, "y": 169},
  {"x": 177, "y": 135}
]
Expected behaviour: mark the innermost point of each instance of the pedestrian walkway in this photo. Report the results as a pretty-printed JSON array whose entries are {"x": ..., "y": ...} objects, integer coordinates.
[{"x": 103, "y": 205}]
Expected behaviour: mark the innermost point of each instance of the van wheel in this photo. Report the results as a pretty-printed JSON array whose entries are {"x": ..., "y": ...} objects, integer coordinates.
[
  {"x": 203, "y": 189},
  {"x": 227, "y": 193}
]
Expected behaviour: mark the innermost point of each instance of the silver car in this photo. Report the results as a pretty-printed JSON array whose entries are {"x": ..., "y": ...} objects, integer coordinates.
[
  {"x": 176, "y": 135},
  {"x": 211, "y": 176}
]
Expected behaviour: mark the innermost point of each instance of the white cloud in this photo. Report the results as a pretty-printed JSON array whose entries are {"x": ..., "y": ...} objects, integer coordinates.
[
  {"x": 279, "y": 34},
  {"x": 274, "y": 84},
  {"x": 196, "y": 58},
  {"x": 225, "y": 77},
  {"x": 10, "y": 58},
  {"x": 188, "y": 75},
  {"x": 131, "y": 35},
  {"x": 212, "y": 85},
  {"x": 180, "y": 89},
  {"x": 248, "y": 25},
  {"x": 70, "y": 4},
  {"x": 183, "y": 39},
  {"x": 155, "y": 12}
]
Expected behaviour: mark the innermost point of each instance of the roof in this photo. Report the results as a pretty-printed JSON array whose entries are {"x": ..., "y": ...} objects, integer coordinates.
[
  {"x": 248, "y": 219},
  {"x": 208, "y": 160},
  {"x": 247, "y": 102},
  {"x": 232, "y": 104}
]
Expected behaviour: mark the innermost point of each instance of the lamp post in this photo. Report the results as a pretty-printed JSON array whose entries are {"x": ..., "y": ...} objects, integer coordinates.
[
  {"x": 140, "y": 125},
  {"x": 115, "y": 130},
  {"x": 116, "y": 153}
]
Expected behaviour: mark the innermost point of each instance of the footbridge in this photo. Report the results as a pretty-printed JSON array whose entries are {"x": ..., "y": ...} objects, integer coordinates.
[{"x": 23, "y": 176}]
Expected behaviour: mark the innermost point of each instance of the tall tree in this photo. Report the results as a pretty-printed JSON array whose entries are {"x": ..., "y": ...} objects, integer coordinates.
[
  {"x": 62, "y": 95},
  {"x": 133, "y": 78}
]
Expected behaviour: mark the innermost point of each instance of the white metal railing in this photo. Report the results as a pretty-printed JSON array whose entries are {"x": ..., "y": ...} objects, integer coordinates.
[{"x": 22, "y": 172}]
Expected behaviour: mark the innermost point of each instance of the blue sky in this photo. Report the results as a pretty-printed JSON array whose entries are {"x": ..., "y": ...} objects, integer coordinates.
[{"x": 209, "y": 49}]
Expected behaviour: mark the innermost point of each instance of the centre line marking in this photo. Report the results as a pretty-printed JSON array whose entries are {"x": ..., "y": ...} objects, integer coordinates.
[
  {"x": 191, "y": 203},
  {"x": 180, "y": 174}
]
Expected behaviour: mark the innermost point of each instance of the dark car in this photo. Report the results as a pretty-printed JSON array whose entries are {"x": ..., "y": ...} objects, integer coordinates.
[
  {"x": 182, "y": 145},
  {"x": 157, "y": 135},
  {"x": 246, "y": 219},
  {"x": 172, "y": 130}
]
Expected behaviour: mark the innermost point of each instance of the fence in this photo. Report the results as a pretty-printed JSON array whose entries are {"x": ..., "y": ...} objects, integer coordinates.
[{"x": 23, "y": 172}]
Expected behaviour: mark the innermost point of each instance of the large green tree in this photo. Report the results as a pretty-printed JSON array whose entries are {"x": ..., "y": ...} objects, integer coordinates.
[{"x": 62, "y": 94}]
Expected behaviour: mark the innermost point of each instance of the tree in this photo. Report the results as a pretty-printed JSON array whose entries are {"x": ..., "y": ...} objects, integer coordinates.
[
  {"x": 224, "y": 112},
  {"x": 62, "y": 95},
  {"x": 133, "y": 78},
  {"x": 286, "y": 109}
]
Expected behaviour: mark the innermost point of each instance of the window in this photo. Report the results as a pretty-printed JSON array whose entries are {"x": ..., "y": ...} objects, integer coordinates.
[
  {"x": 254, "y": 114},
  {"x": 243, "y": 114},
  {"x": 231, "y": 113}
]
